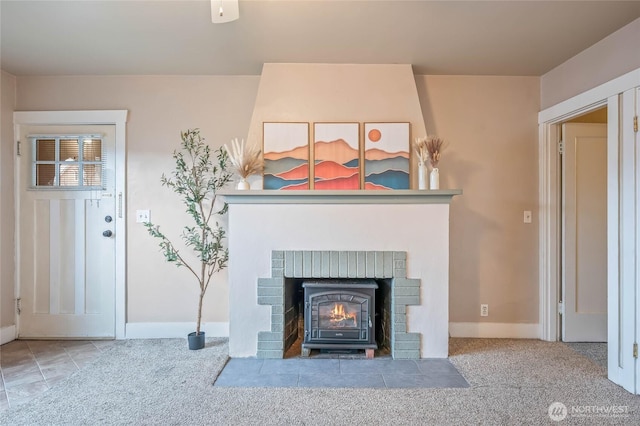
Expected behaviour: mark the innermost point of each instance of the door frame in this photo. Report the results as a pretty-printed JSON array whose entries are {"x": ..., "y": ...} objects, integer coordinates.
[
  {"x": 549, "y": 234},
  {"x": 609, "y": 94},
  {"x": 118, "y": 118}
]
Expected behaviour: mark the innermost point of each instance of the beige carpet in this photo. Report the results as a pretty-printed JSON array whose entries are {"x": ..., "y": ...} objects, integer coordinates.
[
  {"x": 596, "y": 352},
  {"x": 161, "y": 382}
]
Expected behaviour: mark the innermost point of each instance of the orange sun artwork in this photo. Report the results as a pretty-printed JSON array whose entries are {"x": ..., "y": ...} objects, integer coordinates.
[{"x": 374, "y": 135}]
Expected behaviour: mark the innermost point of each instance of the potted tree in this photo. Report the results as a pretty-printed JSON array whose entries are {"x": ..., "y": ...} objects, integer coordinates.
[{"x": 197, "y": 179}]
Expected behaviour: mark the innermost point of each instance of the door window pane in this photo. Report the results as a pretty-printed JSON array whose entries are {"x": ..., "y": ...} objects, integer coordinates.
[
  {"x": 46, "y": 150},
  {"x": 91, "y": 150},
  {"x": 45, "y": 174},
  {"x": 69, "y": 150},
  {"x": 92, "y": 174},
  {"x": 69, "y": 173}
]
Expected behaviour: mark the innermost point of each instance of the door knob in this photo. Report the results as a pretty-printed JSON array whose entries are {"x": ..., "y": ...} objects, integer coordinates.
[
  {"x": 107, "y": 233},
  {"x": 108, "y": 219}
]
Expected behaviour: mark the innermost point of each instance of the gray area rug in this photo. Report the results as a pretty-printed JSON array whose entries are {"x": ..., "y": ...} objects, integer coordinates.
[{"x": 161, "y": 382}]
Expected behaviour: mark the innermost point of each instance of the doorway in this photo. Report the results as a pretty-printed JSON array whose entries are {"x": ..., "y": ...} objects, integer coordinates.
[
  {"x": 70, "y": 224},
  {"x": 583, "y": 188},
  {"x": 621, "y": 96}
]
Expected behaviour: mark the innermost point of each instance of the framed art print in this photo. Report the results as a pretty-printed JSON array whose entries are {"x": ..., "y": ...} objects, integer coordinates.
[
  {"x": 336, "y": 148},
  {"x": 386, "y": 156},
  {"x": 286, "y": 155}
]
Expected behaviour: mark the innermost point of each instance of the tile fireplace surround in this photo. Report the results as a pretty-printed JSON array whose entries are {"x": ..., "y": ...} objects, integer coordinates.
[
  {"x": 402, "y": 236},
  {"x": 343, "y": 264}
]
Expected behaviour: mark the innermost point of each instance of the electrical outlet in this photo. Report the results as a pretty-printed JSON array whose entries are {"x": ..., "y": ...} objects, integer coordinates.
[
  {"x": 527, "y": 216},
  {"x": 142, "y": 216},
  {"x": 484, "y": 310}
]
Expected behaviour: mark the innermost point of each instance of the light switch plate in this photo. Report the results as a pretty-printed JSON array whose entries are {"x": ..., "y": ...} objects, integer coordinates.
[
  {"x": 527, "y": 216},
  {"x": 142, "y": 216}
]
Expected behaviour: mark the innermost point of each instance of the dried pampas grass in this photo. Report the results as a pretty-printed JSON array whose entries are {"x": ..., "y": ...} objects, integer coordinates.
[
  {"x": 245, "y": 161},
  {"x": 420, "y": 147},
  {"x": 434, "y": 145},
  {"x": 429, "y": 148}
]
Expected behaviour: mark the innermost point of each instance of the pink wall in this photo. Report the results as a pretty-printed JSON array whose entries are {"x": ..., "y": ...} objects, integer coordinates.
[
  {"x": 489, "y": 123},
  {"x": 611, "y": 57},
  {"x": 491, "y": 133},
  {"x": 7, "y": 298},
  {"x": 159, "y": 108},
  {"x": 335, "y": 93}
]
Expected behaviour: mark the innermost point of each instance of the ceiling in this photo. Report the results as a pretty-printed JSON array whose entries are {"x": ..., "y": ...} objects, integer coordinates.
[{"x": 177, "y": 37}]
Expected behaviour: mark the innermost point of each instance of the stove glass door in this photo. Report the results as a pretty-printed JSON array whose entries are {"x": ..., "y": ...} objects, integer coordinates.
[{"x": 339, "y": 315}]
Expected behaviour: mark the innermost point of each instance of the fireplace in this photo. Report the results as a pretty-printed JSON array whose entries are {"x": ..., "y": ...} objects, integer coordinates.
[
  {"x": 339, "y": 314},
  {"x": 379, "y": 277},
  {"x": 309, "y": 235}
]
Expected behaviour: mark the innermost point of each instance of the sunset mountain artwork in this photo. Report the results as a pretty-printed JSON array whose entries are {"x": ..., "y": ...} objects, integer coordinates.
[
  {"x": 386, "y": 156},
  {"x": 336, "y": 156},
  {"x": 286, "y": 156}
]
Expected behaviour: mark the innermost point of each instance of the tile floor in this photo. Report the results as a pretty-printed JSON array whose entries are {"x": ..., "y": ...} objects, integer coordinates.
[
  {"x": 344, "y": 373},
  {"x": 30, "y": 367}
]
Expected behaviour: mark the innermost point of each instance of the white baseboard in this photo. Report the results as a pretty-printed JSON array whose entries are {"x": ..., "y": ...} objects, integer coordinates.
[
  {"x": 164, "y": 330},
  {"x": 494, "y": 330},
  {"x": 7, "y": 334}
]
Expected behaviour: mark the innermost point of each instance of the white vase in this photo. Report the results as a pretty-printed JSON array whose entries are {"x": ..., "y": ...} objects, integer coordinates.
[
  {"x": 434, "y": 179},
  {"x": 422, "y": 175},
  {"x": 243, "y": 184}
]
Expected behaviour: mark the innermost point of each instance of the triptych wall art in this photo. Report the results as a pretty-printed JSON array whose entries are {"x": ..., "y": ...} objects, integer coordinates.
[
  {"x": 386, "y": 155},
  {"x": 336, "y": 148},
  {"x": 286, "y": 155},
  {"x": 337, "y": 158}
]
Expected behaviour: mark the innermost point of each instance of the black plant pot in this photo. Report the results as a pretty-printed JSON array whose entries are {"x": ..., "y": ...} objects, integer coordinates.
[{"x": 196, "y": 341}]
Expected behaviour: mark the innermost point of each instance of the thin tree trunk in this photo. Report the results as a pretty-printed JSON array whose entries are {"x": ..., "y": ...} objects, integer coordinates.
[
  {"x": 199, "y": 313},
  {"x": 203, "y": 271}
]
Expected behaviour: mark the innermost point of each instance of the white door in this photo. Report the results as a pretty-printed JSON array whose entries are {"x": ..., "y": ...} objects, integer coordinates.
[
  {"x": 584, "y": 192},
  {"x": 66, "y": 235},
  {"x": 624, "y": 242}
]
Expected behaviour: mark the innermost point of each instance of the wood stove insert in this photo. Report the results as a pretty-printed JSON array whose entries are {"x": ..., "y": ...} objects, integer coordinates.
[{"x": 339, "y": 314}]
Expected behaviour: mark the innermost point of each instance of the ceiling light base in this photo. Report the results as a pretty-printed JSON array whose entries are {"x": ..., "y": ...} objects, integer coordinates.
[{"x": 224, "y": 11}]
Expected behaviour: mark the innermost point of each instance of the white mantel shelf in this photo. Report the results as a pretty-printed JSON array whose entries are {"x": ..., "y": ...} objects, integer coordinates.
[{"x": 440, "y": 196}]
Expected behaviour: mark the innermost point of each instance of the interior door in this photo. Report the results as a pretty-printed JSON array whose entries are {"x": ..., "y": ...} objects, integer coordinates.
[
  {"x": 67, "y": 216},
  {"x": 624, "y": 242},
  {"x": 584, "y": 191}
]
